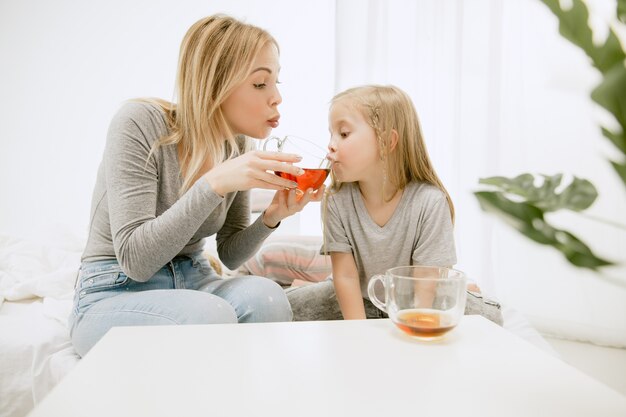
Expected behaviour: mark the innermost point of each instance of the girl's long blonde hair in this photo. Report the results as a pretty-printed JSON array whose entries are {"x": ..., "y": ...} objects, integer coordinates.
[
  {"x": 216, "y": 55},
  {"x": 388, "y": 108}
]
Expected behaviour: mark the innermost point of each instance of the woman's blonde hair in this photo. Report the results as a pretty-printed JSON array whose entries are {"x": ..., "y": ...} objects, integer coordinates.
[
  {"x": 388, "y": 108},
  {"x": 216, "y": 55}
]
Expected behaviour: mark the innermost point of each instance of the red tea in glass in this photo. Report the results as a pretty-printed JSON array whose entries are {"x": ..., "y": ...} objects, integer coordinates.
[
  {"x": 312, "y": 178},
  {"x": 424, "y": 323}
]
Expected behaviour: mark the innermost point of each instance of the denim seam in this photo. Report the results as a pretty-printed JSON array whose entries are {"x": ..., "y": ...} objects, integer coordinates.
[{"x": 131, "y": 311}]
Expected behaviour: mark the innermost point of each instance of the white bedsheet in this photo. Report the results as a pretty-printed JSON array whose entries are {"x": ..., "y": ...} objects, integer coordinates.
[
  {"x": 35, "y": 352},
  {"x": 36, "y": 289},
  {"x": 31, "y": 269}
]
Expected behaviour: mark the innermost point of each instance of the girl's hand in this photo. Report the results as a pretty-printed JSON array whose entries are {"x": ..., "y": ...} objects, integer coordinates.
[
  {"x": 286, "y": 203},
  {"x": 250, "y": 171}
]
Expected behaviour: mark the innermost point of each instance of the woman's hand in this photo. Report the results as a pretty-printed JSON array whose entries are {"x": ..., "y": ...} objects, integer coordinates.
[
  {"x": 286, "y": 203},
  {"x": 471, "y": 286},
  {"x": 250, "y": 171}
]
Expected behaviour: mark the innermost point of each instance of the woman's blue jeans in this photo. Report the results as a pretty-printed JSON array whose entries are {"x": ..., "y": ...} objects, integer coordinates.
[{"x": 185, "y": 291}]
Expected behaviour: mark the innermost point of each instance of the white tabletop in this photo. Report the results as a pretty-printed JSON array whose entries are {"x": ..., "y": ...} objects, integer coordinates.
[{"x": 338, "y": 368}]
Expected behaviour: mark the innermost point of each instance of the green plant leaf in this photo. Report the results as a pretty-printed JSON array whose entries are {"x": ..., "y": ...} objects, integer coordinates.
[
  {"x": 577, "y": 196},
  {"x": 621, "y": 170},
  {"x": 529, "y": 221},
  {"x": 573, "y": 25},
  {"x": 577, "y": 253},
  {"x": 611, "y": 94},
  {"x": 608, "y": 55},
  {"x": 621, "y": 10},
  {"x": 619, "y": 140},
  {"x": 520, "y": 216},
  {"x": 518, "y": 185}
]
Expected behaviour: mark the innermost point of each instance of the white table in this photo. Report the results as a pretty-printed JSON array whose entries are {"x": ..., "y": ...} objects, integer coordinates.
[{"x": 340, "y": 368}]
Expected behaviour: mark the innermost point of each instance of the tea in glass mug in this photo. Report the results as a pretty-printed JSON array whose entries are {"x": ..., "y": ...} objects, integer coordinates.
[
  {"x": 425, "y": 302},
  {"x": 314, "y": 162}
]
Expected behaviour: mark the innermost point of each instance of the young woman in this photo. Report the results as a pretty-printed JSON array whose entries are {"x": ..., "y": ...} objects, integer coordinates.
[
  {"x": 386, "y": 206},
  {"x": 175, "y": 173}
]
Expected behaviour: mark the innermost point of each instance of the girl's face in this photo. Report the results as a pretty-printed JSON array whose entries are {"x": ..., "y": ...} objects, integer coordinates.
[
  {"x": 353, "y": 145},
  {"x": 252, "y": 108}
]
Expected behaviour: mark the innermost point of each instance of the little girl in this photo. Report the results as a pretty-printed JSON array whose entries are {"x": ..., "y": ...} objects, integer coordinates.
[{"x": 386, "y": 206}]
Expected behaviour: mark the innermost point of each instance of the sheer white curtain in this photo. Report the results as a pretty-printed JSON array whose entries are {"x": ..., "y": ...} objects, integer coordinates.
[
  {"x": 447, "y": 57},
  {"x": 499, "y": 92}
]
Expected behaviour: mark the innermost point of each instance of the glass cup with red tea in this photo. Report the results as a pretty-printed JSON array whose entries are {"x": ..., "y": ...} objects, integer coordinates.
[
  {"x": 314, "y": 162},
  {"x": 425, "y": 302}
]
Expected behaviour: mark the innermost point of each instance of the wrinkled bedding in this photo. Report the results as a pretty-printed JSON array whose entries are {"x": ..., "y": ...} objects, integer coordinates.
[{"x": 36, "y": 289}]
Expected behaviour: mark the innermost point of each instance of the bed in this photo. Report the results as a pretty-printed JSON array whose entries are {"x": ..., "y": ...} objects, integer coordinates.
[{"x": 36, "y": 288}]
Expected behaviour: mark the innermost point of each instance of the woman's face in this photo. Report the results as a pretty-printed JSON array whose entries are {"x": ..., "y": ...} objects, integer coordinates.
[
  {"x": 252, "y": 108},
  {"x": 353, "y": 147}
]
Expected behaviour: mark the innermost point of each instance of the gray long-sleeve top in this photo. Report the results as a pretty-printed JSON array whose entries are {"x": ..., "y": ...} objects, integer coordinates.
[{"x": 138, "y": 215}]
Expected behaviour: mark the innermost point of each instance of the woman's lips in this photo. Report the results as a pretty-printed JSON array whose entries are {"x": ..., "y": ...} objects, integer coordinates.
[{"x": 273, "y": 122}]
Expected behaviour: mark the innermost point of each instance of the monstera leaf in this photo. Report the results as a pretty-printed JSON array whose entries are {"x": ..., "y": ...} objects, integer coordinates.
[
  {"x": 577, "y": 196},
  {"x": 608, "y": 58},
  {"x": 575, "y": 28},
  {"x": 527, "y": 213},
  {"x": 611, "y": 94}
]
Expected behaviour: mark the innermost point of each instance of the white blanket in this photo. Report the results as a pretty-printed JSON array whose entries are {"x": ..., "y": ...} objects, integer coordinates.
[
  {"x": 32, "y": 269},
  {"x": 36, "y": 289}
]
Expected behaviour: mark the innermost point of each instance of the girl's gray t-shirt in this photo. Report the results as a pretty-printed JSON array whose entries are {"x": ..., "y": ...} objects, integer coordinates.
[
  {"x": 420, "y": 231},
  {"x": 138, "y": 215}
]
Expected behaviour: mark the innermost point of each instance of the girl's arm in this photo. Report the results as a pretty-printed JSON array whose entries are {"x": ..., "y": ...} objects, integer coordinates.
[{"x": 347, "y": 286}]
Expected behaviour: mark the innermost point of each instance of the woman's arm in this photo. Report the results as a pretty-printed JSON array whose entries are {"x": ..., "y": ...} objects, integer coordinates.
[
  {"x": 347, "y": 286},
  {"x": 237, "y": 240},
  {"x": 144, "y": 242}
]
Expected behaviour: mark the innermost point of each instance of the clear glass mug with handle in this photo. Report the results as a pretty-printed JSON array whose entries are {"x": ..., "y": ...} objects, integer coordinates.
[
  {"x": 425, "y": 302},
  {"x": 314, "y": 161}
]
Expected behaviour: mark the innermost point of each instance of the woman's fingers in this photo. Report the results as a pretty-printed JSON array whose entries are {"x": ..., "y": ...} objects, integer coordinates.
[
  {"x": 305, "y": 199},
  {"x": 292, "y": 199},
  {"x": 473, "y": 287},
  {"x": 278, "y": 156},
  {"x": 275, "y": 181},
  {"x": 276, "y": 166},
  {"x": 283, "y": 167},
  {"x": 318, "y": 195},
  {"x": 282, "y": 196}
]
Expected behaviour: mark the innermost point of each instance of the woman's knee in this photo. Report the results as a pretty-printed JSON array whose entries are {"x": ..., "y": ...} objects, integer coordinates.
[
  {"x": 149, "y": 308},
  {"x": 198, "y": 307},
  {"x": 259, "y": 299}
]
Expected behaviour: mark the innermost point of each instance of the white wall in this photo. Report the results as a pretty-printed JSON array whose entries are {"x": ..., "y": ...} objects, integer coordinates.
[{"x": 68, "y": 65}]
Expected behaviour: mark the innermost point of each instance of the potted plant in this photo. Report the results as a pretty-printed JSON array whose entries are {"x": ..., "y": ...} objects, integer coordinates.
[{"x": 525, "y": 200}]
